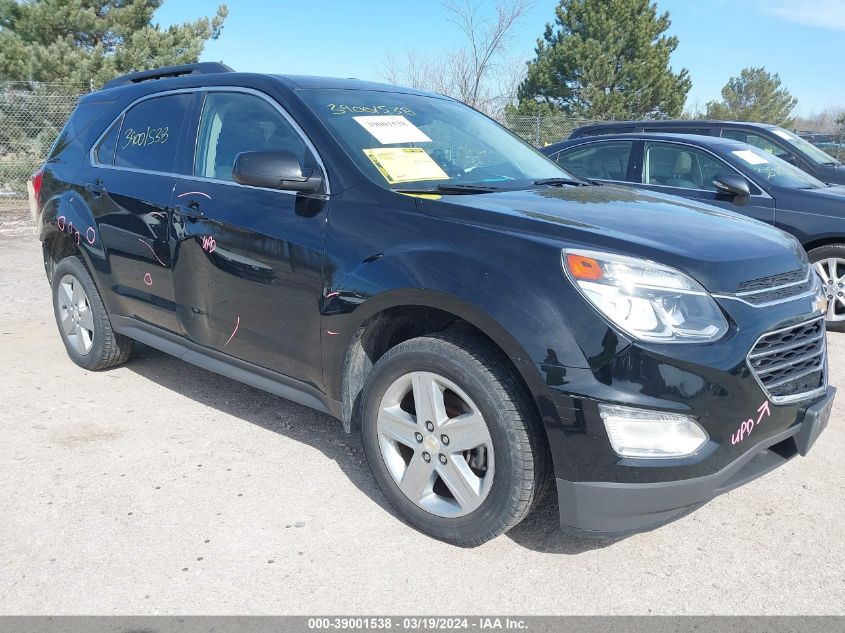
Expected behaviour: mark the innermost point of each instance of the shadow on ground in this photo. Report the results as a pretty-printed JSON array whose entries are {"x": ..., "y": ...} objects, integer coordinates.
[{"x": 540, "y": 531}]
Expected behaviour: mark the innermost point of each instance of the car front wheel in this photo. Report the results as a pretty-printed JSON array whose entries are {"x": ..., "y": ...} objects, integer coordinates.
[
  {"x": 829, "y": 263},
  {"x": 452, "y": 440}
]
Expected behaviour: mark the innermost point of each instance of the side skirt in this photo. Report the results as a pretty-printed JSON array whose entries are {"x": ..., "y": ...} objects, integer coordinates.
[{"x": 233, "y": 368}]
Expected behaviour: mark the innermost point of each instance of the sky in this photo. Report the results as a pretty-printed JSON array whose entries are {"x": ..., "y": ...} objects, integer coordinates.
[{"x": 799, "y": 39}]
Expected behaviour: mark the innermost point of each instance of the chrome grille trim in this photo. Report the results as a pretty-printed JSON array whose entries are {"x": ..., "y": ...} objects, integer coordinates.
[
  {"x": 811, "y": 335},
  {"x": 808, "y": 286}
]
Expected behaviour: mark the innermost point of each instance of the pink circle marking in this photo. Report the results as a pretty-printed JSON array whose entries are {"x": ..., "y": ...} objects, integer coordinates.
[
  {"x": 148, "y": 279},
  {"x": 92, "y": 239}
]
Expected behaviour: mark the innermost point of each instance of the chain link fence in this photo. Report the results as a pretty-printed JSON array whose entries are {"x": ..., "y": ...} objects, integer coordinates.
[
  {"x": 544, "y": 130},
  {"x": 31, "y": 116}
]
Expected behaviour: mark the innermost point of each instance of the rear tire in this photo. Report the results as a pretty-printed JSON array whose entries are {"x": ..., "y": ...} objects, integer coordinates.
[
  {"x": 495, "y": 467},
  {"x": 829, "y": 262},
  {"x": 82, "y": 319}
]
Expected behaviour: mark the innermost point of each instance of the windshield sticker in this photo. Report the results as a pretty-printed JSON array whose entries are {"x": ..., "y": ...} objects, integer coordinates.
[
  {"x": 343, "y": 108},
  {"x": 750, "y": 157},
  {"x": 784, "y": 135},
  {"x": 405, "y": 164},
  {"x": 392, "y": 129}
]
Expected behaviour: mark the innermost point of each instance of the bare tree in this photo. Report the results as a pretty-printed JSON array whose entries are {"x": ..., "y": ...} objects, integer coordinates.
[{"x": 480, "y": 72}]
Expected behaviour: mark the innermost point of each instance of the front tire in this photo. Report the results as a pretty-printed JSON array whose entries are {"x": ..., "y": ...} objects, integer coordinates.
[
  {"x": 82, "y": 319},
  {"x": 452, "y": 439},
  {"x": 829, "y": 263}
]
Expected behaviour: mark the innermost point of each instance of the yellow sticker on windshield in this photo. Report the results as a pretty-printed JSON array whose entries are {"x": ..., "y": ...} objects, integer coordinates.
[{"x": 405, "y": 164}]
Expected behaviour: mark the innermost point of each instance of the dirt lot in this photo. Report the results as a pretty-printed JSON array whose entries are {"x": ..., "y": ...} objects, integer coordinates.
[{"x": 158, "y": 487}]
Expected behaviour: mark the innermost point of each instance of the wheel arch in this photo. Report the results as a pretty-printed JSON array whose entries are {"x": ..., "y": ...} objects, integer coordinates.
[{"x": 392, "y": 318}]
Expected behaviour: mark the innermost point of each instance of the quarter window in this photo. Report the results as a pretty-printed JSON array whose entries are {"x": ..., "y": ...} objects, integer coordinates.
[
  {"x": 599, "y": 161},
  {"x": 105, "y": 150},
  {"x": 149, "y": 135},
  {"x": 681, "y": 166},
  {"x": 232, "y": 123}
]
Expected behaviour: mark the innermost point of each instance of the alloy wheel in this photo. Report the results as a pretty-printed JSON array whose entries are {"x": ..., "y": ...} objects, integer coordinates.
[
  {"x": 832, "y": 273},
  {"x": 75, "y": 314},
  {"x": 435, "y": 444}
]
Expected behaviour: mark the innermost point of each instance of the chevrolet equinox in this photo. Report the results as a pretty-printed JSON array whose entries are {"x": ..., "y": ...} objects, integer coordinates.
[{"x": 489, "y": 323}]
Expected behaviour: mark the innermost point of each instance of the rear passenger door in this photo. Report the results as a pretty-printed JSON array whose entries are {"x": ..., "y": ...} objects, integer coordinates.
[
  {"x": 128, "y": 185},
  {"x": 247, "y": 261},
  {"x": 688, "y": 171},
  {"x": 598, "y": 160}
]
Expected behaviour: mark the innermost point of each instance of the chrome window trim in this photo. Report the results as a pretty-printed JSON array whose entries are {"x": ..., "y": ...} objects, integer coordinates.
[
  {"x": 807, "y": 395},
  {"x": 92, "y": 152}
]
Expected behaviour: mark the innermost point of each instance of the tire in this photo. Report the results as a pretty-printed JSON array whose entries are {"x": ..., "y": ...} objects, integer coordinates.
[
  {"x": 831, "y": 259},
  {"x": 82, "y": 319},
  {"x": 501, "y": 479}
]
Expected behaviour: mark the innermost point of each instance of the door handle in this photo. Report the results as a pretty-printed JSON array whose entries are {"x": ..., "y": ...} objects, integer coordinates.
[
  {"x": 191, "y": 211},
  {"x": 97, "y": 187}
]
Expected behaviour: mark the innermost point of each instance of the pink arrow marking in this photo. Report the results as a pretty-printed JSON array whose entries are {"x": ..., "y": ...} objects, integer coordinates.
[{"x": 764, "y": 410}]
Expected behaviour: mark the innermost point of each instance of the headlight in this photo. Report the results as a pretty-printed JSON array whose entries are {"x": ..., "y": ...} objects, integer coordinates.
[{"x": 647, "y": 300}]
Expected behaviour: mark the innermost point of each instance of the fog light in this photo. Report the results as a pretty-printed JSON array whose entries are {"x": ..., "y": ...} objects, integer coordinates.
[{"x": 651, "y": 434}]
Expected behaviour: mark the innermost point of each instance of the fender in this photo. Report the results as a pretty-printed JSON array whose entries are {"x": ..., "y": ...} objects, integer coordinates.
[{"x": 68, "y": 214}]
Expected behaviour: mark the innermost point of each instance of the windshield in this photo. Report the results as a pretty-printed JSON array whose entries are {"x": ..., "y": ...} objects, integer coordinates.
[
  {"x": 404, "y": 141},
  {"x": 812, "y": 152},
  {"x": 774, "y": 170}
]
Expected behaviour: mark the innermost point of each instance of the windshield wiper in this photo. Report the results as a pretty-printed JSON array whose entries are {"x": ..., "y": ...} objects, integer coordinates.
[
  {"x": 559, "y": 182},
  {"x": 452, "y": 189}
]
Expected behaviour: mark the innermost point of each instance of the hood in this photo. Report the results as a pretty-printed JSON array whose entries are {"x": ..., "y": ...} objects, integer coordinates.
[{"x": 718, "y": 248}]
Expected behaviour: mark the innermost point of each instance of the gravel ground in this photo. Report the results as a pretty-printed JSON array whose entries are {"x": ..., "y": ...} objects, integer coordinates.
[{"x": 160, "y": 488}]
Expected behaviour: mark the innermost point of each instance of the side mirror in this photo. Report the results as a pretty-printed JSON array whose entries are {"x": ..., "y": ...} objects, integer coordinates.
[
  {"x": 275, "y": 170},
  {"x": 732, "y": 184},
  {"x": 789, "y": 158}
]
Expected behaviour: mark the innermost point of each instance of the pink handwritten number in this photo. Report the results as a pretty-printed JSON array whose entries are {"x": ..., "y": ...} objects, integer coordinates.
[
  {"x": 209, "y": 245},
  {"x": 60, "y": 222},
  {"x": 746, "y": 427},
  {"x": 93, "y": 235}
]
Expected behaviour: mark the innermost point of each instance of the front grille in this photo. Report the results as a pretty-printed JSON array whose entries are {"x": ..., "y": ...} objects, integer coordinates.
[
  {"x": 791, "y": 363},
  {"x": 776, "y": 288},
  {"x": 764, "y": 283}
]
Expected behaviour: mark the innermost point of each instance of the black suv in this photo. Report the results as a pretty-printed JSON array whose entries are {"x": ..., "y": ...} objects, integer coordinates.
[
  {"x": 486, "y": 321},
  {"x": 770, "y": 138}
]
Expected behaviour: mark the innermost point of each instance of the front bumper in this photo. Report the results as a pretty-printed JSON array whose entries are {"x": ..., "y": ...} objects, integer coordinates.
[{"x": 602, "y": 509}]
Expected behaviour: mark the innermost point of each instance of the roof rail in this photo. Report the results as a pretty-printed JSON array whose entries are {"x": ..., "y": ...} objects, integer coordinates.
[{"x": 203, "y": 68}]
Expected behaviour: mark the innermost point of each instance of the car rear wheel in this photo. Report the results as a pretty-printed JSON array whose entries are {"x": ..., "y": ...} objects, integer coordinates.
[
  {"x": 829, "y": 263},
  {"x": 452, "y": 439},
  {"x": 82, "y": 319}
]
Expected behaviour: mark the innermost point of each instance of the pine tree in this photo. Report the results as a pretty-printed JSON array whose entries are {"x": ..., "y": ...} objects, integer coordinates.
[
  {"x": 605, "y": 59},
  {"x": 91, "y": 41},
  {"x": 756, "y": 95}
]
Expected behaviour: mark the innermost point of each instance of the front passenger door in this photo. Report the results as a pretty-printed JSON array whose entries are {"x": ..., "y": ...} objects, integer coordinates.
[
  {"x": 687, "y": 171},
  {"x": 247, "y": 261}
]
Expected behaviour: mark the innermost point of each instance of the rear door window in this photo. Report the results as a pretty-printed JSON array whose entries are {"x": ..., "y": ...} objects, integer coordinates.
[
  {"x": 149, "y": 134},
  {"x": 752, "y": 138},
  {"x": 105, "y": 150},
  {"x": 598, "y": 161}
]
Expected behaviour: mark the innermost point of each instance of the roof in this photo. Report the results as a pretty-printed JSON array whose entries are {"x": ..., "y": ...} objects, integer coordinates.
[
  {"x": 695, "y": 139},
  {"x": 676, "y": 122}
]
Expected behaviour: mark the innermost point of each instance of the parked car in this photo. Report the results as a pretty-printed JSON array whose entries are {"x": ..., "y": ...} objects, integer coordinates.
[
  {"x": 395, "y": 259},
  {"x": 732, "y": 175},
  {"x": 770, "y": 138}
]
